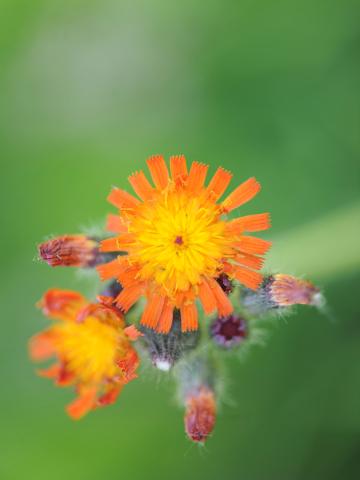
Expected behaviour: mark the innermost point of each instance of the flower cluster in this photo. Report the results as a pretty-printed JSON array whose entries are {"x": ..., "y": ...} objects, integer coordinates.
[{"x": 175, "y": 257}]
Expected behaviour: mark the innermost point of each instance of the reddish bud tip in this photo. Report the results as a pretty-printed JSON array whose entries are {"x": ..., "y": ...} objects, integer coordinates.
[
  {"x": 286, "y": 290},
  {"x": 69, "y": 251},
  {"x": 200, "y": 415}
]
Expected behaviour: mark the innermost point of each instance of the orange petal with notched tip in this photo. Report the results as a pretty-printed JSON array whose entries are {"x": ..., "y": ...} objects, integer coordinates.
[
  {"x": 247, "y": 277},
  {"x": 189, "y": 318},
  {"x": 158, "y": 170},
  {"x": 224, "y": 305},
  {"x": 219, "y": 183},
  {"x": 141, "y": 185},
  {"x": 166, "y": 318},
  {"x": 207, "y": 298},
  {"x": 242, "y": 194},
  {"x": 178, "y": 168},
  {"x": 197, "y": 176},
  {"x": 122, "y": 199},
  {"x": 249, "y": 223},
  {"x": 251, "y": 261},
  {"x": 128, "y": 297},
  {"x": 253, "y": 245},
  {"x": 152, "y": 312}
]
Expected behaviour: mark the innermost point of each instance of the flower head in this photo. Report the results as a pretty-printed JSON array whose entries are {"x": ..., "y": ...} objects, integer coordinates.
[
  {"x": 92, "y": 346},
  {"x": 178, "y": 242}
]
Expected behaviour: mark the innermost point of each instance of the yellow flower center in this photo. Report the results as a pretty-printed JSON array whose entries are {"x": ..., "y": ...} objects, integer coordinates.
[
  {"x": 179, "y": 238},
  {"x": 88, "y": 348}
]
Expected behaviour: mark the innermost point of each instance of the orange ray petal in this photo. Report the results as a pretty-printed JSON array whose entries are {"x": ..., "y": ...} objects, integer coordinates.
[
  {"x": 61, "y": 304},
  {"x": 129, "y": 296},
  {"x": 116, "y": 224},
  {"x": 247, "y": 277},
  {"x": 159, "y": 171},
  {"x": 166, "y": 318},
  {"x": 112, "y": 269},
  {"x": 152, "y": 311},
  {"x": 82, "y": 404},
  {"x": 207, "y": 298},
  {"x": 110, "y": 396},
  {"x": 122, "y": 199},
  {"x": 129, "y": 276},
  {"x": 224, "y": 305},
  {"x": 41, "y": 346},
  {"x": 251, "y": 261},
  {"x": 219, "y": 183},
  {"x": 128, "y": 366},
  {"x": 109, "y": 245},
  {"x": 242, "y": 194},
  {"x": 249, "y": 223},
  {"x": 132, "y": 332},
  {"x": 178, "y": 168},
  {"x": 115, "y": 244},
  {"x": 141, "y": 185},
  {"x": 197, "y": 176},
  {"x": 253, "y": 245},
  {"x": 189, "y": 318},
  {"x": 50, "y": 372}
]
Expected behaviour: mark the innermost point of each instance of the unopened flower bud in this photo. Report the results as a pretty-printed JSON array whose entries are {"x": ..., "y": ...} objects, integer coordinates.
[
  {"x": 228, "y": 332},
  {"x": 166, "y": 349},
  {"x": 197, "y": 379},
  {"x": 70, "y": 251},
  {"x": 200, "y": 414},
  {"x": 225, "y": 283},
  {"x": 281, "y": 291}
]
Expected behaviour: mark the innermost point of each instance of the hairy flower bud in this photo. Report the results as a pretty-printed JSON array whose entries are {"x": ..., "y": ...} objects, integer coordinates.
[
  {"x": 200, "y": 414},
  {"x": 70, "y": 251},
  {"x": 166, "y": 349},
  {"x": 281, "y": 291},
  {"x": 197, "y": 379},
  {"x": 228, "y": 332}
]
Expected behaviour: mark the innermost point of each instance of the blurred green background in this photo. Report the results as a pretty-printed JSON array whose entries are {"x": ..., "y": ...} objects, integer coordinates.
[{"x": 88, "y": 90}]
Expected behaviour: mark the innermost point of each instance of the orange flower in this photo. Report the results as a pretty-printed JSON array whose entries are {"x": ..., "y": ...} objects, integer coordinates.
[
  {"x": 92, "y": 347},
  {"x": 178, "y": 241}
]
